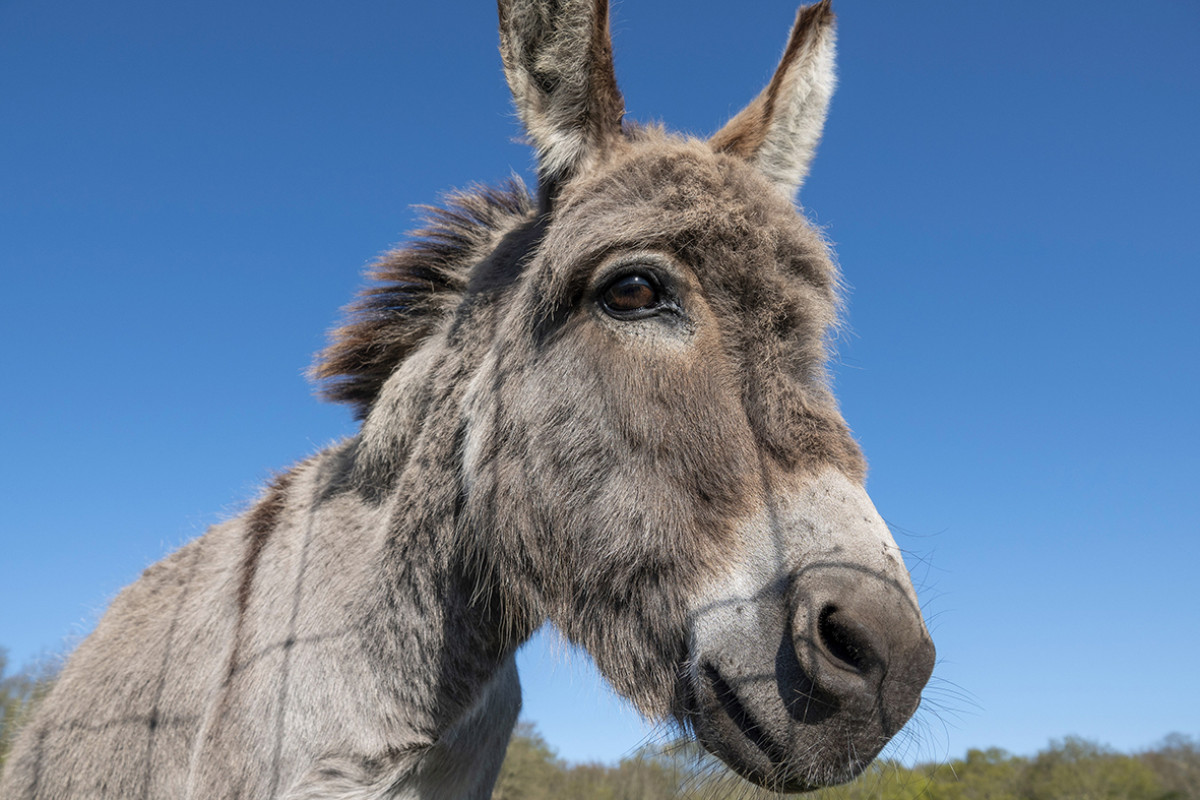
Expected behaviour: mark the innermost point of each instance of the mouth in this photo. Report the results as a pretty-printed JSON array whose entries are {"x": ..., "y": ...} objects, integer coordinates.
[
  {"x": 745, "y": 722},
  {"x": 729, "y": 730},
  {"x": 751, "y": 744}
]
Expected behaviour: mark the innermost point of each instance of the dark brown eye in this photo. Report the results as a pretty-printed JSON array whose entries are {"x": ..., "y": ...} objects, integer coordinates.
[{"x": 630, "y": 294}]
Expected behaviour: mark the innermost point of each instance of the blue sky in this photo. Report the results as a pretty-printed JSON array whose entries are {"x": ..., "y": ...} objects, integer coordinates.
[{"x": 189, "y": 192}]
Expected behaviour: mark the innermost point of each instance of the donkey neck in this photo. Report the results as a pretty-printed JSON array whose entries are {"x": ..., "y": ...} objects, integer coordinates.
[{"x": 434, "y": 622}]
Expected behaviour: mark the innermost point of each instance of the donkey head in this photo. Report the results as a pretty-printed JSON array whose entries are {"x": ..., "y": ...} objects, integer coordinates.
[
  {"x": 649, "y": 452},
  {"x": 688, "y": 501}
]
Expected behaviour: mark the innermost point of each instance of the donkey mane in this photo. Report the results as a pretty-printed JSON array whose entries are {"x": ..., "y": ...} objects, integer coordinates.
[{"x": 415, "y": 287}]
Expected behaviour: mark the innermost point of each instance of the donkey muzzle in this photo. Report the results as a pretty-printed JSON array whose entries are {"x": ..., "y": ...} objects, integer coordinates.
[{"x": 812, "y": 654}]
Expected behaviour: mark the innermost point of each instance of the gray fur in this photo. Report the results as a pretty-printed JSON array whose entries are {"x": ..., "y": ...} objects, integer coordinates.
[
  {"x": 558, "y": 61},
  {"x": 676, "y": 491}
]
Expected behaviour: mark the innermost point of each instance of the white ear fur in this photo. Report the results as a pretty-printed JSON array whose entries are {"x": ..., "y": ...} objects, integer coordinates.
[{"x": 779, "y": 131}]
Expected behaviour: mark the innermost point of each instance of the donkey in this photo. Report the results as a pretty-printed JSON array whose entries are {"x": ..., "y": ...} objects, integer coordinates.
[{"x": 604, "y": 405}]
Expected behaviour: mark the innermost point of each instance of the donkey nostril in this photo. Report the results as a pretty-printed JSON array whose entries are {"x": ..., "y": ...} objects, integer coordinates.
[{"x": 845, "y": 641}]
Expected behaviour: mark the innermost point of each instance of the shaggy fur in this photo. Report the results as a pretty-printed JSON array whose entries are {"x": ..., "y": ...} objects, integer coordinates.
[{"x": 672, "y": 486}]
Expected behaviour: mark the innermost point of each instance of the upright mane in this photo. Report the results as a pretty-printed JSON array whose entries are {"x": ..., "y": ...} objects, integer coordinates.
[{"x": 414, "y": 287}]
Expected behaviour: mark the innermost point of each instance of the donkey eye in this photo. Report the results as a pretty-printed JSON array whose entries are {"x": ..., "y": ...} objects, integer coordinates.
[{"x": 630, "y": 294}]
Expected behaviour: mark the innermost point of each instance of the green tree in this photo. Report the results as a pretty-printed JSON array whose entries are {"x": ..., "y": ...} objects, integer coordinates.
[
  {"x": 1176, "y": 764},
  {"x": 19, "y": 693},
  {"x": 991, "y": 774},
  {"x": 531, "y": 770},
  {"x": 639, "y": 778},
  {"x": 588, "y": 782},
  {"x": 1070, "y": 769},
  {"x": 1077, "y": 769}
]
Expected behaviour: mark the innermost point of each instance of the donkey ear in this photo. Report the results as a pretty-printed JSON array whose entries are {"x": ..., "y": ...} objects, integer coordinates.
[
  {"x": 558, "y": 61},
  {"x": 779, "y": 130}
]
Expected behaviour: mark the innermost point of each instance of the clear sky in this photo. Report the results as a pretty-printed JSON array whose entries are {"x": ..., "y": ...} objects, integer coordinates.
[{"x": 189, "y": 192}]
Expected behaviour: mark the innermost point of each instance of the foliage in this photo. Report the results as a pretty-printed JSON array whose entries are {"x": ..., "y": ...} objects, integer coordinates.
[
  {"x": 531, "y": 771},
  {"x": 1176, "y": 763},
  {"x": 19, "y": 693},
  {"x": 1070, "y": 769},
  {"x": 1080, "y": 769}
]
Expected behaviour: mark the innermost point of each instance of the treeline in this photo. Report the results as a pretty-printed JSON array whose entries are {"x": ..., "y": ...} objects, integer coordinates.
[
  {"x": 1071, "y": 769},
  {"x": 19, "y": 692}
]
